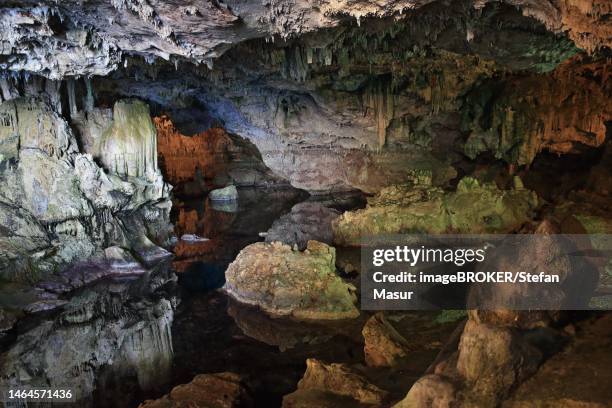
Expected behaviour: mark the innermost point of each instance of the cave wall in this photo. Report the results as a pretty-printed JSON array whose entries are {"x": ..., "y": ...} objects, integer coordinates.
[
  {"x": 388, "y": 101},
  {"x": 59, "y": 205},
  {"x": 211, "y": 159}
]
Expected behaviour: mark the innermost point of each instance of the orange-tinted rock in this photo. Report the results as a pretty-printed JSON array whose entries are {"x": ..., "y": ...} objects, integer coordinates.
[
  {"x": 384, "y": 346},
  {"x": 222, "y": 390},
  {"x": 214, "y": 158},
  {"x": 560, "y": 112},
  {"x": 327, "y": 383}
]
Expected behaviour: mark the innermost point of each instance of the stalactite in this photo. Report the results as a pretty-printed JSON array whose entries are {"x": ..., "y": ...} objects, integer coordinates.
[
  {"x": 378, "y": 96},
  {"x": 89, "y": 101},
  {"x": 70, "y": 85}
]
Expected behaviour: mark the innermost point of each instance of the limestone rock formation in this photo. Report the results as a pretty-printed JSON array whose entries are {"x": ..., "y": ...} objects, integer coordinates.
[
  {"x": 384, "y": 346},
  {"x": 306, "y": 221},
  {"x": 560, "y": 112},
  {"x": 284, "y": 281},
  {"x": 220, "y": 390},
  {"x": 93, "y": 38},
  {"x": 473, "y": 208},
  {"x": 195, "y": 164},
  {"x": 58, "y": 206},
  {"x": 328, "y": 384},
  {"x": 129, "y": 147},
  {"x": 431, "y": 391},
  {"x": 493, "y": 360}
]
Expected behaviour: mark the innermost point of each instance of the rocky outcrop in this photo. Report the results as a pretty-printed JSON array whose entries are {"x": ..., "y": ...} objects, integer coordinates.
[
  {"x": 431, "y": 391},
  {"x": 377, "y": 104},
  {"x": 306, "y": 221},
  {"x": 285, "y": 281},
  {"x": 195, "y": 164},
  {"x": 561, "y": 112},
  {"x": 384, "y": 346},
  {"x": 473, "y": 208},
  {"x": 58, "y": 206},
  {"x": 221, "y": 390},
  {"x": 325, "y": 385}
]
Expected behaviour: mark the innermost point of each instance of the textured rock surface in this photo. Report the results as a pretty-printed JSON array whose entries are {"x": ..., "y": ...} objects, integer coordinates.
[
  {"x": 494, "y": 360},
  {"x": 430, "y": 391},
  {"x": 58, "y": 206},
  {"x": 329, "y": 383},
  {"x": 93, "y": 37},
  {"x": 129, "y": 147},
  {"x": 222, "y": 390},
  {"x": 562, "y": 112},
  {"x": 306, "y": 221},
  {"x": 284, "y": 281},
  {"x": 473, "y": 208},
  {"x": 214, "y": 158},
  {"x": 384, "y": 346}
]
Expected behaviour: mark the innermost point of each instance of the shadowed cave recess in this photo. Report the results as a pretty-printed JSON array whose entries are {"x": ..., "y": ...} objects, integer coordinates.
[{"x": 184, "y": 186}]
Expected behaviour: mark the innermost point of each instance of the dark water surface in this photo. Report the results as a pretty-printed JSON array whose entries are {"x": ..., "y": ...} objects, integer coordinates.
[{"x": 212, "y": 333}]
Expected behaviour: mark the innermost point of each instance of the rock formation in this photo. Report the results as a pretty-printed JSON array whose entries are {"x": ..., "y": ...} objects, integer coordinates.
[
  {"x": 473, "y": 208},
  {"x": 93, "y": 38},
  {"x": 561, "y": 112},
  {"x": 59, "y": 206},
  {"x": 285, "y": 281},
  {"x": 109, "y": 329},
  {"x": 306, "y": 221},
  {"x": 221, "y": 390},
  {"x": 384, "y": 346},
  {"x": 210, "y": 159},
  {"x": 326, "y": 385}
]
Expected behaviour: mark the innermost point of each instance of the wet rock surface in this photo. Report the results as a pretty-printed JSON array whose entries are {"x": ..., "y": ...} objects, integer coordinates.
[{"x": 286, "y": 281}]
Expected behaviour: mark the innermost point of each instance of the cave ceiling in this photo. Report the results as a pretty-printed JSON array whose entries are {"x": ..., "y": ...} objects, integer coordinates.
[{"x": 94, "y": 37}]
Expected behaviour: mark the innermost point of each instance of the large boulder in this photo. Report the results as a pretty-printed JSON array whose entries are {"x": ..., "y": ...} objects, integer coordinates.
[
  {"x": 306, "y": 221},
  {"x": 493, "y": 360},
  {"x": 473, "y": 208},
  {"x": 431, "y": 391},
  {"x": 284, "y": 281}
]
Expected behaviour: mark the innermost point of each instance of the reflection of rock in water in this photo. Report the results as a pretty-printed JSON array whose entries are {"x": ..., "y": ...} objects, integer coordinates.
[{"x": 105, "y": 334}]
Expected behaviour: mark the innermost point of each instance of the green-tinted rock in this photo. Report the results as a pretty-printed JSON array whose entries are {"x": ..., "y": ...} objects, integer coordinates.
[
  {"x": 473, "y": 208},
  {"x": 283, "y": 281}
]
